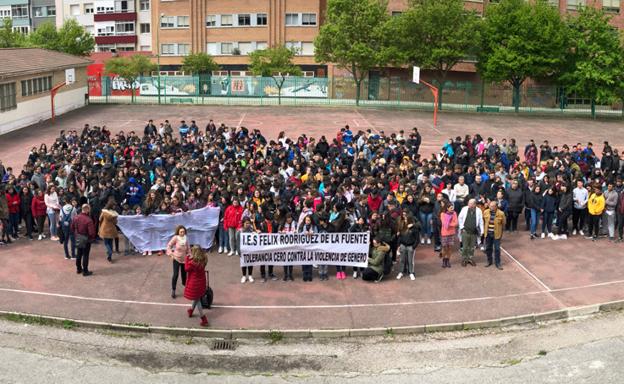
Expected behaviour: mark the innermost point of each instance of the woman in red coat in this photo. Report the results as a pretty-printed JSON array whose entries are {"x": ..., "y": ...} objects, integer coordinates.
[
  {"x": 195, "y": 266},
  {"x": 38, "y": 208}
]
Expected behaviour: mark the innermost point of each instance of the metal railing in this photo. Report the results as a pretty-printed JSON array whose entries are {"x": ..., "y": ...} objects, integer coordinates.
[{"x": 381, "y": 92}]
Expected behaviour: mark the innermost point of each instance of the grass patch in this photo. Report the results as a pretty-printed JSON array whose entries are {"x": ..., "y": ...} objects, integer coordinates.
[
  {"x": 511, "y": 362},
  {"x": 189, "y": 341},
  {"x": 389, "y": 332},
  {"x": 143, "y": 325},
  {"x": 275, "y": 336},
  {"x": 68, "y": 324},
  {"x": 542, "y": 353}
]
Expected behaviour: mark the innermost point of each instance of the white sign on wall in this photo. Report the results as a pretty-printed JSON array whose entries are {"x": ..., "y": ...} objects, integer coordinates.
[{"x": 70, "y": 76}]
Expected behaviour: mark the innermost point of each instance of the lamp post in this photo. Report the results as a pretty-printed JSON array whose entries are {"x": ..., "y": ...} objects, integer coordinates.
[{"x": 158, "y": 54}]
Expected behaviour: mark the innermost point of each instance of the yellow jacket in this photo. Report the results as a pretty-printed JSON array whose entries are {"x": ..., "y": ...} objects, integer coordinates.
[{"x": 596, "y": 204}]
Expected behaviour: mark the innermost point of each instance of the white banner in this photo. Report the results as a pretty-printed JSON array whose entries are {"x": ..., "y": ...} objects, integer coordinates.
[
  {"x": 346, "y": 249},
  {"x": 153, "y": 232}
]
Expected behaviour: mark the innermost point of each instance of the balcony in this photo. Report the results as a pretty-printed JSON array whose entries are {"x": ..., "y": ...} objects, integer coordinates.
[
  {"x": 116, "y": 39},
  {"x": 115, "y": 16}
]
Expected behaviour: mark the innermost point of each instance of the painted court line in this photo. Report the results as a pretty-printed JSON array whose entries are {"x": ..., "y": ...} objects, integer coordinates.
[
  {"x": 331, "y": 306},
  {"x": 527, "y": 271},
  {"x": 241, "y": 120}
]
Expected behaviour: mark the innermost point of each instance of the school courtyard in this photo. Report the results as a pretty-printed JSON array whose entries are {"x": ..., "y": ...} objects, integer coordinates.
[{"x": 539, "y": 277}]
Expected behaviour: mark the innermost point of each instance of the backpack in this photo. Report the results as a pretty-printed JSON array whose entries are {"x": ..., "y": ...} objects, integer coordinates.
[
  {"x": 65, "y": 219},
  {"x": 387, "y": 263},
  {"x": 208, "y": 296}
]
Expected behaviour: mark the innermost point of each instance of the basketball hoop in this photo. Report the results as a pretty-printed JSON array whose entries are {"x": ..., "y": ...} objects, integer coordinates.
[{"x": 416, "y": 79}]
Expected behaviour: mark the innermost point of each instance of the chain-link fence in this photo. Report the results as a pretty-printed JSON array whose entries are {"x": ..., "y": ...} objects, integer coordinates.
[{"x": 378, "y": 92}]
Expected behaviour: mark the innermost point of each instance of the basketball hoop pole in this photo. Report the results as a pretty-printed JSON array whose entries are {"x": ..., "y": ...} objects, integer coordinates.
[
  {"x": 435, "y": 92},
  {"x": 53, "y": 92}
]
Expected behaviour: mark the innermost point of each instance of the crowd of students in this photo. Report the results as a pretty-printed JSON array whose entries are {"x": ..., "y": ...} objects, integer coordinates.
[{"x": 353, "y": 181}]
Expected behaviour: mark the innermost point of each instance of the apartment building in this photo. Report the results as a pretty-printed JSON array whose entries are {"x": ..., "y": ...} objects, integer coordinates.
[
  {"x": 230, "y": 30},
  {"x": 42, "y": 11},
  {"x": 80, "y": 10},
  {"x": 123, "y": 25},
  {"x": 19, "y": 12}
]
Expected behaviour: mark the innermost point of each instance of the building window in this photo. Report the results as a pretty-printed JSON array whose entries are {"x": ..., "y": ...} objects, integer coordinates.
[
  {"x": 167, "y": 49},
  {"x": 124, "y": 28},
  {"x": 261, "y": 19},
  {"x": 90, "y": 29},
  {"x": 37, "y": 85},
  {"x": 7, "y": 97},
  {"x": 108, "y": 30},
  {"x": 88, "y": 8},
  {"x": 244, "y": 19},
  {"x": 575, "y": 4},
  {"x": 261, "y": 45},
  {"x": 245, "y": 48},
  {"x": 5, "y": 13},
  {"x": 307, "y": 49},
  {"x": 292, "y": 19},
  {"x": 183, "y": 21},
  {"x": 396, "y": 13},
  {"x": 22, "y": 30},
  {"x": 105, "y": 9},
  {"x": 611, "y": 6},
  {"x": 184, "y": 49},
  {"x": 144, "y": 5},
  {"x": 19, "y": 11},
  {"x": 74, "y": 9},
  {"x": 167, "y": 22},
  {"x": 226, "y": 20},
  {"x": 308, "y": 19},
  {"x": 211, "y": 21},
  {"x": 213, "y": 49},
  {"x": 145, "y": 48},
  {"x": 52, "y": 10},
  {"x": 145, "y": 28},
  {"x": 37, "y": 11},
  {"x": 226, "y": 48}
]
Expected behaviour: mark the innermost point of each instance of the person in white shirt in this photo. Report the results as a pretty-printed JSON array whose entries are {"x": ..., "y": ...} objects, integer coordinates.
[
  {"x": 461, "y": 192},
  {"x": 470, "y": 229},
  {"x": 579, "y": 212}
]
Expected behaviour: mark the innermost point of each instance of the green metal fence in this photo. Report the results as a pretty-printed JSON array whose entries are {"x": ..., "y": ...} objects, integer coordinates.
[{"x": 339, "y": 91}]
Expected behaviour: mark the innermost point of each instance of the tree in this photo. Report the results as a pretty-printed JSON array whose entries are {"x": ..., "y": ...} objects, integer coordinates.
[
  {"x": 198, "y": 63},
  {"x": 275, "y": 62},
  {"x": 71, "y": 38},
  {"x": 45, "y": 36},
  {"x": 10, "y": 38},
  {"x": 521, "y": 40},
  {"x": 74, "y": 39},
  {"x": 436, "y": 35},
  {"x": 355, "y": 37},
  {"x": 594, "y": 65},
  {"x": 130, "y": 68}
]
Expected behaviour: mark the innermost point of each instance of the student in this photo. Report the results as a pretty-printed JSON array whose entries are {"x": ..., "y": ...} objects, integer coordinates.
[
  {"x": 38, "y": 209},
  {"x": 549, "y": 206},
  {"x": 374, "y": 271},
  {"x": 26, "y": 199},
  {"x": 448, "y": 233},
  {"x": 308, "y": 228},
  {"x": 247, "y": 271},
  {"x": 580, "y": 196},
  {"x": 408, "y": 235},
  {"x": 195, "y": 267},
  {"x": 53, "y": 207},
  {"x": 595, "y": 207},
  {"x": 108, "y": 228},
  {"x": 289, "y": 226},
  {"x": 564, "y": 210},
  {"x": 68, "y": 212},
  {"x": 178, "y": 249}
]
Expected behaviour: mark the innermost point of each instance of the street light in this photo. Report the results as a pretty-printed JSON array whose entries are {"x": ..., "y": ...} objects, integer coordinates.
[{"x": 158, "y": 54}]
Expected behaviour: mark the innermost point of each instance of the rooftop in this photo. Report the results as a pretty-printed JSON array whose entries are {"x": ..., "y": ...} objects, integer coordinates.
[{"x": 26, "y": 61}]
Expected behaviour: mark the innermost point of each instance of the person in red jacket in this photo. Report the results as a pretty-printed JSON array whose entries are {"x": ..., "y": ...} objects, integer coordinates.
[
  {"x": 374, "y": 201},
  {"x": 38, "y": 209},
  {"x": 195, "y": 267},
  {"x": 13, "y": 201},
  {"x": 83, "y": 225},
  {"x": 232, "y": 222}
]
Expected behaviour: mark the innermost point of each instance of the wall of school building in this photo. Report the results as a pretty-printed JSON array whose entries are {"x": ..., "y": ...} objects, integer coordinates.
[{"x": 36, "y": 108}]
